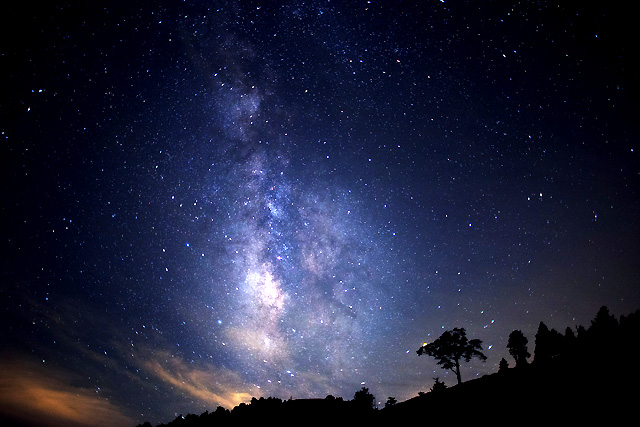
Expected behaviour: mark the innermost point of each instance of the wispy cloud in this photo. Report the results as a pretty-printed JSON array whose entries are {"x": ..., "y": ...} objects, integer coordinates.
[
  {"x": 38, "y": 395},
  {"x": 209, "y": 384},
  {"x": 149, "y": 362}
]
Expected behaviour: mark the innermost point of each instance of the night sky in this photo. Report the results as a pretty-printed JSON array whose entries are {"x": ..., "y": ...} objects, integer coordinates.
[{"x": 204, "y": 202}]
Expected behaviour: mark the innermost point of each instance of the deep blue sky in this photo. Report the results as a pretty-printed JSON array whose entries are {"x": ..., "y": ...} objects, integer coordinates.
[{"x": 205, "y": 202}]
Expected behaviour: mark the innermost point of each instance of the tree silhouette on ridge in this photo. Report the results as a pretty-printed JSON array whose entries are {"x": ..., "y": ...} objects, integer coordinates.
[
  {"x": 517, "y": 346},
  {"x": 451, "y": 347}
]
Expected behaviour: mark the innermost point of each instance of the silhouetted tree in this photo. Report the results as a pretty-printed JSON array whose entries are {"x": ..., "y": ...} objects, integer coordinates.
[
  {"x": 628, "y": 331},
  {"x": 549, "y": 343},
  {"x": 570, "y": 341},
  {"x": 332, "y": 398},
  {"x": 517, "y": 346},
  {"x": 604, "y": 324},
  {"x": 452, "y": 346},
  {"x": 541, "y": 351},
  {"x": 581, "y": 332},
  {"x": 363, "y": 399},
  {"x": 390, "y": 401},
  {"x": 438, "y": 386},
  {"x": 503, "y": 366},
  {"x": 569, "y": 334},
  {"x": 630, "y": 321}
]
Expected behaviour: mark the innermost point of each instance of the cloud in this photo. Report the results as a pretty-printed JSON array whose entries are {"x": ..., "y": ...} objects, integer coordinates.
[
  {"x": 209, "y": 384},
  {"x": 35, "y": 393},
  {"x": 42, "y": 395}
]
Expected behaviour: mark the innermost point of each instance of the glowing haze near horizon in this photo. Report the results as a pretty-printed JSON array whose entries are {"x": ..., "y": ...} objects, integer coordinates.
[{"x": 212, "y": 201}]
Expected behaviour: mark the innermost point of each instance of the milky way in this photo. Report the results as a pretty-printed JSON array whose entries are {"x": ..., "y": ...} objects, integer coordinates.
[{"x": 208, "y": 202}]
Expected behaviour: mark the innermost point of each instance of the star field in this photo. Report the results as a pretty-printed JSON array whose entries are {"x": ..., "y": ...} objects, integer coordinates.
[{"x": 210, "y": 201}]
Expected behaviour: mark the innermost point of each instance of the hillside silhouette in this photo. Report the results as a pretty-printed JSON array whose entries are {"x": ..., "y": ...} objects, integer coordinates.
[{"x": 584, "y": 375}]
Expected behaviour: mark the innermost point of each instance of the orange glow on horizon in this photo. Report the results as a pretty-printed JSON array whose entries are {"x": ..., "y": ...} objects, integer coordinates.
[{"x": 29, "y": 394}]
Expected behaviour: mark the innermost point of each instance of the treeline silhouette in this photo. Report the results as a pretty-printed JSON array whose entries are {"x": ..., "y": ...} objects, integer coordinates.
[
  {"x": 329, "y": 409},
  {"x": 581, "y": 375}
]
